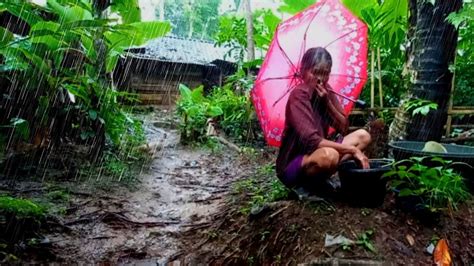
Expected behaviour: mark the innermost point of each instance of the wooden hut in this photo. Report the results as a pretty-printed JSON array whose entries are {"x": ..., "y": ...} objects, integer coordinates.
[{"x": 155, "y": 70}]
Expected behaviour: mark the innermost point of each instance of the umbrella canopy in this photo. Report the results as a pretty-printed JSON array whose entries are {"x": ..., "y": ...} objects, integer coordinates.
[{"x": 327, "y": 24}]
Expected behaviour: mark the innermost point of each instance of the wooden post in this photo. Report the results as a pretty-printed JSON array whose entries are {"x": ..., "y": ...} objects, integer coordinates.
[
  {"x": 451, "y": 102},
  {"x": 379, "y": 65},
  {"x": 372, "y": 80}
]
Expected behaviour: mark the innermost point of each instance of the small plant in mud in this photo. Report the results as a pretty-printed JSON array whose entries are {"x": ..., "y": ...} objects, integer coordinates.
[
  {"x": 364, "y": 240},
  {"x": 263, "y": 235},
  {"x": 365, "y": 212},
  {"x": 430, "y": 182},
  {"x": 278, "y": 191},
  {"x": 277, "y": 259},
  {"x": 262, "y": 189},
  {"x": 212, "y": 234},
  {"x": 121, "y": 163},
  {"x": 58, "y": 196}
]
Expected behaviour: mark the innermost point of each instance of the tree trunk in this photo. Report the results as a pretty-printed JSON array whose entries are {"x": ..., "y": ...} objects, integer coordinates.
[
  {"x": 250, "y": 39},
  {"x": 398, "y": 128},
  {"x": 432, "y": 51}
]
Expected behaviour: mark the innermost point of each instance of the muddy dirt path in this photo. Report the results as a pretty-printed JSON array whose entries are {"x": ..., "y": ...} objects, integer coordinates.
[{"x": 181, "y": 188}]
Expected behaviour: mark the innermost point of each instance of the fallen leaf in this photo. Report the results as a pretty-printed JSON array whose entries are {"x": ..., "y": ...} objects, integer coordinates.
[
  {"x": 410, "y": 239},
  {"x": 441, "y": 254}
]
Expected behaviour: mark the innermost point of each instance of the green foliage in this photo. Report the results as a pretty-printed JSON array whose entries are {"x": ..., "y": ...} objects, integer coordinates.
[
  {"x": 58, "y": 195},
  {"x": 364, "y": 241},
  {"x": 232, "y": 32},
  {"x": 123, "y": 163},
  {"x": 195, "y": 110},
  {"x": 262, "y": 189},
  {"x": 193, "y": 19},
  {"x": 419, "y": 106},
  {"x": 295, "y": 6},
  {"x": 129, "y": 10},
  {"x": 464, "y": 68},
  {"x": 64, "y": 62},
  {"x": 438, "y": 187},
  {"x": 21, "y": 208},
  {"x": 231, "y": 112},
  {"x": 464, "y": 16},
  {"x": 386, "y": 21},
  {"x": 237, "y": 112}
]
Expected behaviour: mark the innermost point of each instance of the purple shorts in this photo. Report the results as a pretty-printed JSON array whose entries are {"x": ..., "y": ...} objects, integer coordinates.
[
  {"x": 293, "y": 172},
  {"x": 294, "y": 175}
]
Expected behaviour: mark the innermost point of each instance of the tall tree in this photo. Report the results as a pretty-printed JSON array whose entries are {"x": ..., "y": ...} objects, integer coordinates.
[
  {"x": 432, "y": 50},
  {"x": 249, "y": 23},
  {"x": 192, "y": 18}
]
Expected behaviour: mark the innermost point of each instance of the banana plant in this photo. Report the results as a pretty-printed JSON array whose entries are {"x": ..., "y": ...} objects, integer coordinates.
[{"x": 60, "y": 58}]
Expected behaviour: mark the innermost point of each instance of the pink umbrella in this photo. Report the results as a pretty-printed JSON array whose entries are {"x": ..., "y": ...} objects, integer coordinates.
[{"x": 327, "y": 24}]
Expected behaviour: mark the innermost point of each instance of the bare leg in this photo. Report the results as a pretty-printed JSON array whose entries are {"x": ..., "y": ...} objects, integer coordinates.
[
  {"x": 359, "y": 139},
  {"x": 323, "y": 160}
]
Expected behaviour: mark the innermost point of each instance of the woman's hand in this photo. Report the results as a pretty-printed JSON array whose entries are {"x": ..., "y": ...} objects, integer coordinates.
[
  {"x": 321, "y": 90},
  {"x": 361, "y": 158}
]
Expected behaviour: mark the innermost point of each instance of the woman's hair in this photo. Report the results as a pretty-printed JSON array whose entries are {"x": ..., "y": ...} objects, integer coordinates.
[{"x": 316, "y": 59}]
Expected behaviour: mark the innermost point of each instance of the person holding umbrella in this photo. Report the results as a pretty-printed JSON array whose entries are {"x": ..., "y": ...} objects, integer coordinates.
[{"x": 308, "y": 157}]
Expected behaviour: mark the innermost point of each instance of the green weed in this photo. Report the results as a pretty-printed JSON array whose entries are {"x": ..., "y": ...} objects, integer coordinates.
[
  {"x": 365, "y": 212},
  {"x": 261, "y": 189},
  {"x": 59, "y": 196},
  {"x": 364, "y": 240},
  {"x": 264, "y": 235},
  {"x": 21, "y": 208}
]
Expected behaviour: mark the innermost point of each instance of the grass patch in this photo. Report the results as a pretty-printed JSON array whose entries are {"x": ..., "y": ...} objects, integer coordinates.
[
  {"x": 21, "y": 208},
  {"x": 262, "y": 188}
]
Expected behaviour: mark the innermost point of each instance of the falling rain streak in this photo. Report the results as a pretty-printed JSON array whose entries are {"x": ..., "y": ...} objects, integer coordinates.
[{"x": 137, "y": 131}]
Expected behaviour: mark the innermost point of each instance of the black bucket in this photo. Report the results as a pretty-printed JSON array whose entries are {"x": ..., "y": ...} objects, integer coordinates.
[{"x": 364, "y": 187}]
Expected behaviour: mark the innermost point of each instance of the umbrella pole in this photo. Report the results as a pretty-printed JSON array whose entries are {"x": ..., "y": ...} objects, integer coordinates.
[{"x": 360, "y": 102}]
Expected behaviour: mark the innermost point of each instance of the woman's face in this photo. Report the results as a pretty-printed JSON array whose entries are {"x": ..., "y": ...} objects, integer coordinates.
[{"x": 317, "y": 77}]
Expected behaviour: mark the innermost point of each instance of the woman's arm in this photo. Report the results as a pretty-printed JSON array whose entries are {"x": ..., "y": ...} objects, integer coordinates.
[
  {"x": 337, "y": 113},
  {"x": 345, "y": 149}
]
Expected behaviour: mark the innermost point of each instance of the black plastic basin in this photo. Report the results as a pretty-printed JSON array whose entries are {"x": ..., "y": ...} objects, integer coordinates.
[
  {"x": 457, "y": 153},
  {"x": 364, "y": 187}
]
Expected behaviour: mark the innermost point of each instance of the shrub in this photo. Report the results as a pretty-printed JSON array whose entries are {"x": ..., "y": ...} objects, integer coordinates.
[
  {"x": 237, "y": 112},
  {"x": 438, "y": 188},
  {"x": 195, "y": 110},
  {"x": 232, "y": 113}
]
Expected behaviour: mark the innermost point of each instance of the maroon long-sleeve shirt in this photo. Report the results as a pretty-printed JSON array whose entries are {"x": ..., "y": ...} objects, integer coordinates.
[{"x": 306, "y": 124}]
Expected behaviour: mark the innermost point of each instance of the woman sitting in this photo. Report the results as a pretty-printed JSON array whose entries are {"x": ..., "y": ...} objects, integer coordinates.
[{"x": 308, "y": 157}]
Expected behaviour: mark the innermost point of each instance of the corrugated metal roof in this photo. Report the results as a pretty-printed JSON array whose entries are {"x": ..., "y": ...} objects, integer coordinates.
[{"x": 180, "y": 50}]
